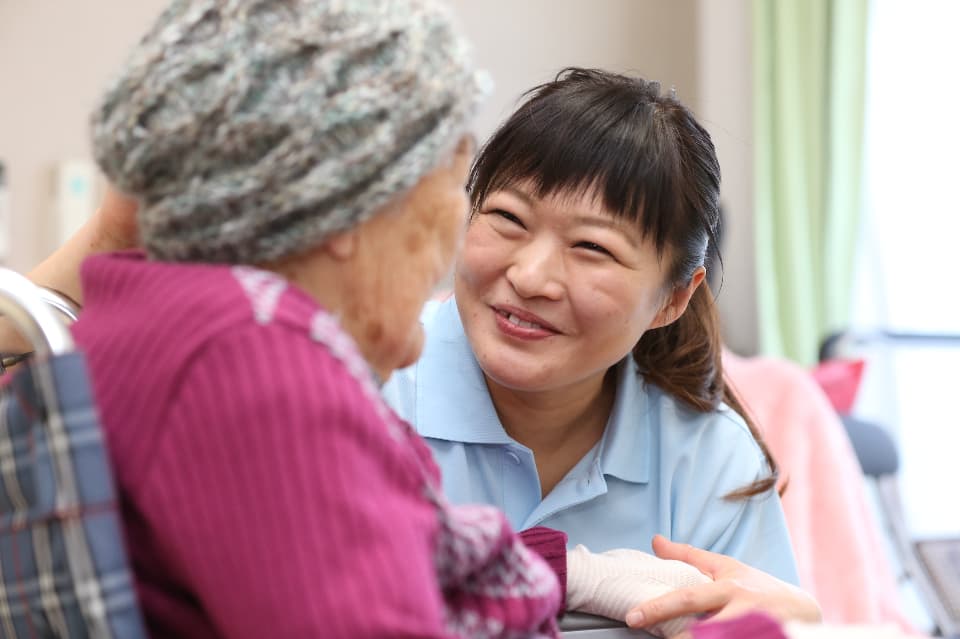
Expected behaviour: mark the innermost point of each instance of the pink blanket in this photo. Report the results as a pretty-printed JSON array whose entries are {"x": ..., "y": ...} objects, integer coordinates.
[{"x": 840, "y": 554}]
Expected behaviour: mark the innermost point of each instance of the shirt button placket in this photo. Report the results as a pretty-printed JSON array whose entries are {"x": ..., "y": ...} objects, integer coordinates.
[{"x": 521, "y": 490}]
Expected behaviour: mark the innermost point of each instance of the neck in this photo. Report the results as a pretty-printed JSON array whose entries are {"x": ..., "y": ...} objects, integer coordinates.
[{"x": 559, "y": 425}]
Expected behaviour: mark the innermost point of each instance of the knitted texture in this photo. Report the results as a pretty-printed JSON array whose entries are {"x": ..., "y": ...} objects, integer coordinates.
[
  {"x": 551, "y": 545},
  {"x": 251, "y": 130}
]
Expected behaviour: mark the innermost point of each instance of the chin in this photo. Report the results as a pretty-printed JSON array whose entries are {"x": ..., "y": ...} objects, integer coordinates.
[
  {"x": 412, "y": 350},
  {"x": 518, "y": 378}
]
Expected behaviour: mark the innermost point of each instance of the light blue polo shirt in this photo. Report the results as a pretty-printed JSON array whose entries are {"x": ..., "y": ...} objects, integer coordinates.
[{"x": 660, "y": 467}]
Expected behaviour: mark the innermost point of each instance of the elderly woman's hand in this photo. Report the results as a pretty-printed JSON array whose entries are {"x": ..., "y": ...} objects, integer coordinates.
[
  {"x": 112, "y": 228},
  {"x": 735, "y": 590}
]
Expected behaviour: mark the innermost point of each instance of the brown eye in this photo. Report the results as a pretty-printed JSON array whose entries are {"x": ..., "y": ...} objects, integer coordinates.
[
  {"x": 508, "y": 216},
  {"x": 592, "y": 246}
]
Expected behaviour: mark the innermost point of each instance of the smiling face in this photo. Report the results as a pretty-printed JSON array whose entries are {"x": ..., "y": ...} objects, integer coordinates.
[{"x": 554, "y": 291}]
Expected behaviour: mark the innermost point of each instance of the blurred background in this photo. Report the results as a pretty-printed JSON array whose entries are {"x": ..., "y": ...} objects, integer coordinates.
[{"x": 837, "y": 131}]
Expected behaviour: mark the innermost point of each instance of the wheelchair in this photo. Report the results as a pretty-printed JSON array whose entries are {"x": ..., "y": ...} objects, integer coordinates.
[{"x": 63, "y": 567}]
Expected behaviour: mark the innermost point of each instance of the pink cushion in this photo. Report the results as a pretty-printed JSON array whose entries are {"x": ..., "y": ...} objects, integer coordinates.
[{"x": 840, "y": 380}]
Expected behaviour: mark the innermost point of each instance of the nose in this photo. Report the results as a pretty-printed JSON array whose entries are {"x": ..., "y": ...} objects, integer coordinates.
[{"x": 537, "y": 271}]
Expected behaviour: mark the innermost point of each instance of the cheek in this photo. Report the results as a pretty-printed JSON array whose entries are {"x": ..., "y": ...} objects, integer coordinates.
[
  {"x": 614, "y": 305},
  {"x": 414, "y": 242},
  {"x": 387, "y": 309},
  {"x": 373, "y": 331},
  {"x": 432, "y": 243},
  {"x": 390, "y": 326},
  {"x": 449, "y": 230},
  {"x": 424, "y": 257},
  {"x": 368, "y": 316},
  {"x": 448, "y": 240},
  {"x": 482, "y": 255}
]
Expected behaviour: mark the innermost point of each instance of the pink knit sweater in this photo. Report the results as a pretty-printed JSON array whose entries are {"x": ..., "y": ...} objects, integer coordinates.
[{"x": 266, "y": 490}]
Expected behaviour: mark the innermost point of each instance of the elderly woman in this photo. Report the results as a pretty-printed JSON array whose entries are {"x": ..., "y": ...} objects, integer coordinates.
[{"x": 299, "y": 169}]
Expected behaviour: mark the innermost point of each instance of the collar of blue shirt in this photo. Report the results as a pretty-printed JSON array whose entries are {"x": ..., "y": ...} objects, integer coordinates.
[{"x": 452, "y": 402}]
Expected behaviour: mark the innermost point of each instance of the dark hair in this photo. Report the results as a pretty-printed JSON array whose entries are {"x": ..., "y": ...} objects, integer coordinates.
[{"x": 646, "y": 159}]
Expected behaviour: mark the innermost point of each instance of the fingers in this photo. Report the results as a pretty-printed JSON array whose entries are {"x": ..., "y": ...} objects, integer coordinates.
[
  {"x": 709, "y": 563},
  {"x": 693, "y": 600}
]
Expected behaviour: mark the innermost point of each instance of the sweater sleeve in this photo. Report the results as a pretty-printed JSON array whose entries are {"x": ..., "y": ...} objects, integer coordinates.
[
  {"x": 551, "y": 545},
  {"x": 284, "y": 506}
]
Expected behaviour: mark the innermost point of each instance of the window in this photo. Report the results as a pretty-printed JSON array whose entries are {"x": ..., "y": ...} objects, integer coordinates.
[{"x": 909, "y": 254}]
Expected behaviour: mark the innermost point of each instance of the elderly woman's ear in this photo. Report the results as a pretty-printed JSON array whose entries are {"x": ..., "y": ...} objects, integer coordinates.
[{"x": 341, "y": 246}]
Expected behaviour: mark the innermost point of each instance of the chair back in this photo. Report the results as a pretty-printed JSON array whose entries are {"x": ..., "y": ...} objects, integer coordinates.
[{"x": 63, "y": 566}]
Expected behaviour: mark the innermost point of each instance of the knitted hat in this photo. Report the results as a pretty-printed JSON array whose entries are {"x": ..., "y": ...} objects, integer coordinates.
[{"x": 251, "y": 130}]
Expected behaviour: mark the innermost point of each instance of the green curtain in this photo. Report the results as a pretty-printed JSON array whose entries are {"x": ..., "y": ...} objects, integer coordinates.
[{"x": 809, "y": 77}]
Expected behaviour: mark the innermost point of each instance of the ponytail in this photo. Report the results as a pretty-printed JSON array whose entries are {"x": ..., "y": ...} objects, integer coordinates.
[{"x": 684, "y": 359}]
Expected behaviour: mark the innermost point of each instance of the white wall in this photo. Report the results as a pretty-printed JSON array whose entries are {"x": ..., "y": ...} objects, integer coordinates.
[
  {"x": 524, "y": 43},
  {"x": 55, "y": 58},
  {"x": 726, "y": 109}
]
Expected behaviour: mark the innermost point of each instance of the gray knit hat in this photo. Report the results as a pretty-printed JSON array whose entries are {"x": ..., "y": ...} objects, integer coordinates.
[{"x": 250, "y": 130}]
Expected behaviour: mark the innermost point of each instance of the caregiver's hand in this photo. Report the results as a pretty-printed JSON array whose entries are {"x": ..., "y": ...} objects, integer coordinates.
[{"x": 735, "y": 590}]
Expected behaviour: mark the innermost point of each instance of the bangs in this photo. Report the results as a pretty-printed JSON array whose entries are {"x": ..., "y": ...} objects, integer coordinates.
[{"x": 606, "y": 141}]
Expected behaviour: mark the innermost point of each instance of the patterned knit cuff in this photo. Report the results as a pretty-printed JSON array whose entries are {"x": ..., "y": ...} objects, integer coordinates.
[{"x": 551, "y": 545}]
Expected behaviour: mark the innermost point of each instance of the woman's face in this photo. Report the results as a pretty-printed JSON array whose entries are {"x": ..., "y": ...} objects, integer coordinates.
[
  {"x": 403, "y": 253},
  {"x": 554, "y": 291}
]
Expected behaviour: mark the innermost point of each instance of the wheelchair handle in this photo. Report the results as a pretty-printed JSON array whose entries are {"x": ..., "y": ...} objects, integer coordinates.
[{"x": 22, "y": 303}]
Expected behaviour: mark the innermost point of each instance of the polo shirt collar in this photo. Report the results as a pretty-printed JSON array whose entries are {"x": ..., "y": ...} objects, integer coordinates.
[
  {"x": 463, "y": 411},
  {"x": 626, "y": 447}
]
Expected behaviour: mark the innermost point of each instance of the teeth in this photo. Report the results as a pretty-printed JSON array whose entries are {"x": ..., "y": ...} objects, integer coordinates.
[{"x": 516, "y": 321}]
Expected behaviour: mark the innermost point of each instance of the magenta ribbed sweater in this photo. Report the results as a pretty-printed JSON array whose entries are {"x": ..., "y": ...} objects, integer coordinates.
[{"x": 265, "y": 489}]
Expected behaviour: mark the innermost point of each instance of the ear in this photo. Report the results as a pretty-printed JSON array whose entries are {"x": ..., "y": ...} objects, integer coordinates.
[
  {"x": 678, "y": 299},
  {"x": 341, "y": 246}
]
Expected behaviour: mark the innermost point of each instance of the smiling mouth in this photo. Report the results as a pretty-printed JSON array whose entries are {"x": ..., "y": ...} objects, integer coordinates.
[
  {"x": 516, "y": 321},
  {"x": 519, "y": 322}
]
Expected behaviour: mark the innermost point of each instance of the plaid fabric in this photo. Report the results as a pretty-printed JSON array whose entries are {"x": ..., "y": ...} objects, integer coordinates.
[{"x": 63, "y": 568}]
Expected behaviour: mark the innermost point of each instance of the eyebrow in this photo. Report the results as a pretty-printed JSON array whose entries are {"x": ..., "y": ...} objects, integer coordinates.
[
  {"x": 614, "y": 225},
  {"x": 523, "y": 195}
]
